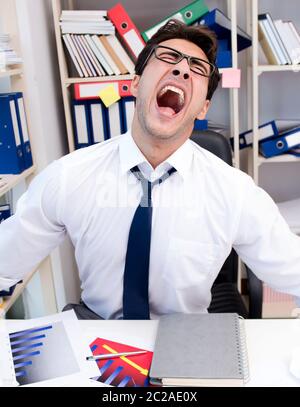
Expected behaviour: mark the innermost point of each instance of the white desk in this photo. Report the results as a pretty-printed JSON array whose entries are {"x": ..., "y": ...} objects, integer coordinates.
[{"x": 269, "y": 343}]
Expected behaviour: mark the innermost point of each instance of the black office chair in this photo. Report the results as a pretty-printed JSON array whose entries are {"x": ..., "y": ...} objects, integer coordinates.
[{"x": 225, "y": 294}]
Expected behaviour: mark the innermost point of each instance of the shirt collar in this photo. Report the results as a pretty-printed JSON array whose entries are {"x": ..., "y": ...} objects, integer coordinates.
[{"x": 131, "y": 155}]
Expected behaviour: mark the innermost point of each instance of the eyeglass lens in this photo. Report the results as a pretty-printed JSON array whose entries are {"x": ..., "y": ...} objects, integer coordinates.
[{"x": 173, "y": 56}]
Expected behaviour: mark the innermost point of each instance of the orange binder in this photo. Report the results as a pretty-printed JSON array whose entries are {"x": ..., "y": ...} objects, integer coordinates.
[
  {"x": 127, "y": 29},
  {"x": 91, "y": 90}
]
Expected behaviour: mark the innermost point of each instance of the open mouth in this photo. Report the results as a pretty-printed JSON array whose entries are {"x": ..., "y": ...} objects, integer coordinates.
[{"x": 170, "y": 100}]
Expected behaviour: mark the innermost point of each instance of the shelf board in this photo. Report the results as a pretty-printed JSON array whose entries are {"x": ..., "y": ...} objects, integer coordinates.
[
  {"x": 283, "y": 158},
  {"x": 9, "y": 181},
  {"x": 9, "y": 301},
  {"x": 278, "y": 68},
  {"x": 10, "y": 72},
  {"x": 69, "y": 81}
]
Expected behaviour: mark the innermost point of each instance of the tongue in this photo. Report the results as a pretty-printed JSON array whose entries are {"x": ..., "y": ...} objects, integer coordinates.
[{"x": 167, "y": 111}]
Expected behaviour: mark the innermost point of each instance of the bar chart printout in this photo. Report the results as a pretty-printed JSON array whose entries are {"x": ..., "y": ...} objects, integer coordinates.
[{"x": 42, "y": 353}]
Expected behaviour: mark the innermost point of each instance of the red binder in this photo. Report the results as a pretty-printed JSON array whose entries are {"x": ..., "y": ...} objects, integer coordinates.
[
  {"x": 91, "y": 90},
  {"x": 127, "y": 29}
]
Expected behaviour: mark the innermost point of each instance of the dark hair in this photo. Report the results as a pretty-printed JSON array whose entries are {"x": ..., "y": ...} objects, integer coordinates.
[{"x": 199, "y": 35}]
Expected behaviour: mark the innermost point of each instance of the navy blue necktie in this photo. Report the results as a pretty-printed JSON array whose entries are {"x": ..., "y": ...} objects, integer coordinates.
[{"x": 136, "y": 272}]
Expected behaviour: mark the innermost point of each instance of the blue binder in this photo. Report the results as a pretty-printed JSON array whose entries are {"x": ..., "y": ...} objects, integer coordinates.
[
  {"x": 98, "y": 116},
  {"x": 9, "y": 292},
  {"x": 4, "y": 212},
  {"x": 267, "y": 131},
  {"x": 23, "y": 128},
  {"x": 200, "y": 124},
  {"x": 224, "y": 55},
  {"x": 280, "y": 145},
  {"x": 11, "y": 154},
  {"x": 221, "y": 25},
  {"x": 128, "y": 107},
  {"x": 115, "y": 119},
  {"x": 81, "y": 123}
]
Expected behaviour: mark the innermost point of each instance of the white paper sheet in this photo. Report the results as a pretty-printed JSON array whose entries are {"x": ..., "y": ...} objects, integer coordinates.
[{"x": 56, "y": 350}]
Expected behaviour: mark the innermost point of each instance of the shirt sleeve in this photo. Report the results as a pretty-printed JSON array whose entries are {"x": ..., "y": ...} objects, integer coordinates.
[
  {"x": 28, "y": 236},
  {"x": 265, "y": 242}
]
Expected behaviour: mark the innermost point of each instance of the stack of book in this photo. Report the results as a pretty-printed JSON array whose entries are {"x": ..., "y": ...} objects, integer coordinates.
[
  {"x": 279, "y": 40},
  {"x": 8, "y": 55},
  {"x": 91, "y": 41},
  {"x": 274, "y": 137}
]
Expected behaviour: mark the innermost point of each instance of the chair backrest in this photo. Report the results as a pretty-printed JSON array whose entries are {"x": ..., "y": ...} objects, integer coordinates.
[{"x": 218, "y": 144}]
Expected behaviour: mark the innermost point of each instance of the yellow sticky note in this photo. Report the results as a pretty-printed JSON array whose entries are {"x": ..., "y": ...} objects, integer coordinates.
[
  {"x": 231, "y": 78},
  {"x": 109, "y": 95}
]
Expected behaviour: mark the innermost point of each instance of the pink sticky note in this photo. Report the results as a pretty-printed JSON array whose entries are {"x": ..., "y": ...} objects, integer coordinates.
[{"x": 231, "y": 78}]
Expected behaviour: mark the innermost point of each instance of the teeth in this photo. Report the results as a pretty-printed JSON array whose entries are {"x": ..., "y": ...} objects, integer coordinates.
[{"x": 174, "y": 89}]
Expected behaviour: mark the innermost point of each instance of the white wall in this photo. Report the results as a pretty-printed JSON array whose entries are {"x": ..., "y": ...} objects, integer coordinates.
[{"x": 45, "y": 107}]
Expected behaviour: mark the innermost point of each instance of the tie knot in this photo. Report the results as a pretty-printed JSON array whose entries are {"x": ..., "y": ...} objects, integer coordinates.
[{"x": 147, "y": 185}]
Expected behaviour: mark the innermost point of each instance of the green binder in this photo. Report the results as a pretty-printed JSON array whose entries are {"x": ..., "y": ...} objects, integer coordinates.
[{"x": 188, "y": 15}]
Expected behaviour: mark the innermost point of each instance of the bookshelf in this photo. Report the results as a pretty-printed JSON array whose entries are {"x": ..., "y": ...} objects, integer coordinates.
[
  {"x": 67, "y": 81},
  {"x": 15, "y": 75},
  {"x": 10, "y": 72},
  {"x": 275, "y": 304},
  {"x": 9, "y": 181},
  {"x": 257, "y": 70}
]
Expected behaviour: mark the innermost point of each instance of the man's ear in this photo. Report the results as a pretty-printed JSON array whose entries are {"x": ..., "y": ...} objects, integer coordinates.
[
  {"x": 134, "y": 85},
  {"x": 201, "y": 115}
]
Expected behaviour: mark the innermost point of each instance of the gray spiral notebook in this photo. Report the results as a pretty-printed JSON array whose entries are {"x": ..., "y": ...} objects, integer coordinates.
[{"x": 200, "y": 350}]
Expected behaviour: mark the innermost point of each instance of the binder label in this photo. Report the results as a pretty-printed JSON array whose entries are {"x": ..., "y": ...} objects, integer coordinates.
[
  {"x": 293, "y": 139},
  {"x": 15, "y": 122},
  {"x": 135, "y": 42}
]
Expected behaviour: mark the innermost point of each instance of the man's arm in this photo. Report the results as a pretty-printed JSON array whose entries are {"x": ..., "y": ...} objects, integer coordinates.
[
  {"x": 265, "y": 242},
  {"x": 27, "y": 237}
]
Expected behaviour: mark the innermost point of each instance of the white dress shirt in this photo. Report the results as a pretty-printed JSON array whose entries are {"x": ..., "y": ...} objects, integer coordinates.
[{"x": 199, "y": 213}]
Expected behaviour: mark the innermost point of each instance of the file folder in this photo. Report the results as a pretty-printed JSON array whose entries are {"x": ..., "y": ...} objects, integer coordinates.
[
  {"x": 201, "y": 124},
  {"x": 221, "y": 25},
  {"x": 81, "y": 123},
  {"x": 126, "y": 29},
  {"x": 98, "y": 115},
  {"x": 128, "y": 107},
  {"x": 280, "y": 145},
  {"x": 91, "y": 90},
  {"x": 4, "y": 212},
  {"x": 188, "y": 15},
  {"x": 267, "y": 131},
  {"x": 23, "y": 127},
  {"x": 11, "y": 154},
  {"x": 114, "y": 120}
]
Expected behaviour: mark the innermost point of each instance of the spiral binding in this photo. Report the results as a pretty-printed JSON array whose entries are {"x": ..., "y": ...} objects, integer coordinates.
[{"x": 244, "y": 362}]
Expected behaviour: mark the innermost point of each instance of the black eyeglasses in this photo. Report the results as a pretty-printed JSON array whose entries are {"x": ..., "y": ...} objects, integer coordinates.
[{"x": 172, "y": 56}]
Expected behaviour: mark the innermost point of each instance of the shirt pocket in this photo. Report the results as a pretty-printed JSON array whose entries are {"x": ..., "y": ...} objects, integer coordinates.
[{"x": 190, "y": 263}]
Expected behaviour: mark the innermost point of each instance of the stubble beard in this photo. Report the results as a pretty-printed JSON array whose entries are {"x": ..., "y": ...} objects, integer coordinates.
[{"x": 153, "y": 131}]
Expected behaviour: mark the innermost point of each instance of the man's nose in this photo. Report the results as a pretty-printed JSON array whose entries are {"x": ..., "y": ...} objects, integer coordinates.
[
  {"x": 182, "y": 69},
  {"x": 180, "y": 72}
]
